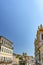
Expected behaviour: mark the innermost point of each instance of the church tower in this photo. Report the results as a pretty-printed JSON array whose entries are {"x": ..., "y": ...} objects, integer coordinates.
[{"x": 39, "y": 46}]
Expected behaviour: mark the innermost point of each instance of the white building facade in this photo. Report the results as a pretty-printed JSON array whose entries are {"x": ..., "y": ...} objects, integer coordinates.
[{"x": 6, "y": 51}]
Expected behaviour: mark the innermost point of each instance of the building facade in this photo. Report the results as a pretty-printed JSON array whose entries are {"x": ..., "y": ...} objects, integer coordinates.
[
  {"x": 39, "y": 46},
  {"x": 6, "y": 51},
  {"x": 15, "y": 59},
  {"x": 23, "y": 59},
  {"x": 31, "y": 60}
]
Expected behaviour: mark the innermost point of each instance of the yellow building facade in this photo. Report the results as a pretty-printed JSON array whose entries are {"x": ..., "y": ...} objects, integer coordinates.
[
  {"x": 6, "y": 51},
  {"x": 39, "y": 46}
]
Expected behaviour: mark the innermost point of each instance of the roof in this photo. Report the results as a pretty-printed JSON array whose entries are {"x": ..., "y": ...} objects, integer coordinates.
[{"x": 6, "y": 39}]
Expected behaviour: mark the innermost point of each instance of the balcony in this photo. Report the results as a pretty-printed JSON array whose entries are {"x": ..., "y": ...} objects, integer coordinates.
[
  {"x": 5, "y": 60},
  {"x": 1, "y": 59}
]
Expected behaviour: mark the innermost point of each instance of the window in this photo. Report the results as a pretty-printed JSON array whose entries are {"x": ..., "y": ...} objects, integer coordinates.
[
  {"x": 2, "y": 49},
  {"x": 42, "y": 36},
  {"x": 2, "y": 41}
]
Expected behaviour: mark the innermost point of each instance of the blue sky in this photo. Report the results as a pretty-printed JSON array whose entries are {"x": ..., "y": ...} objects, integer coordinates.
[{"x": 19, "y": 20}]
